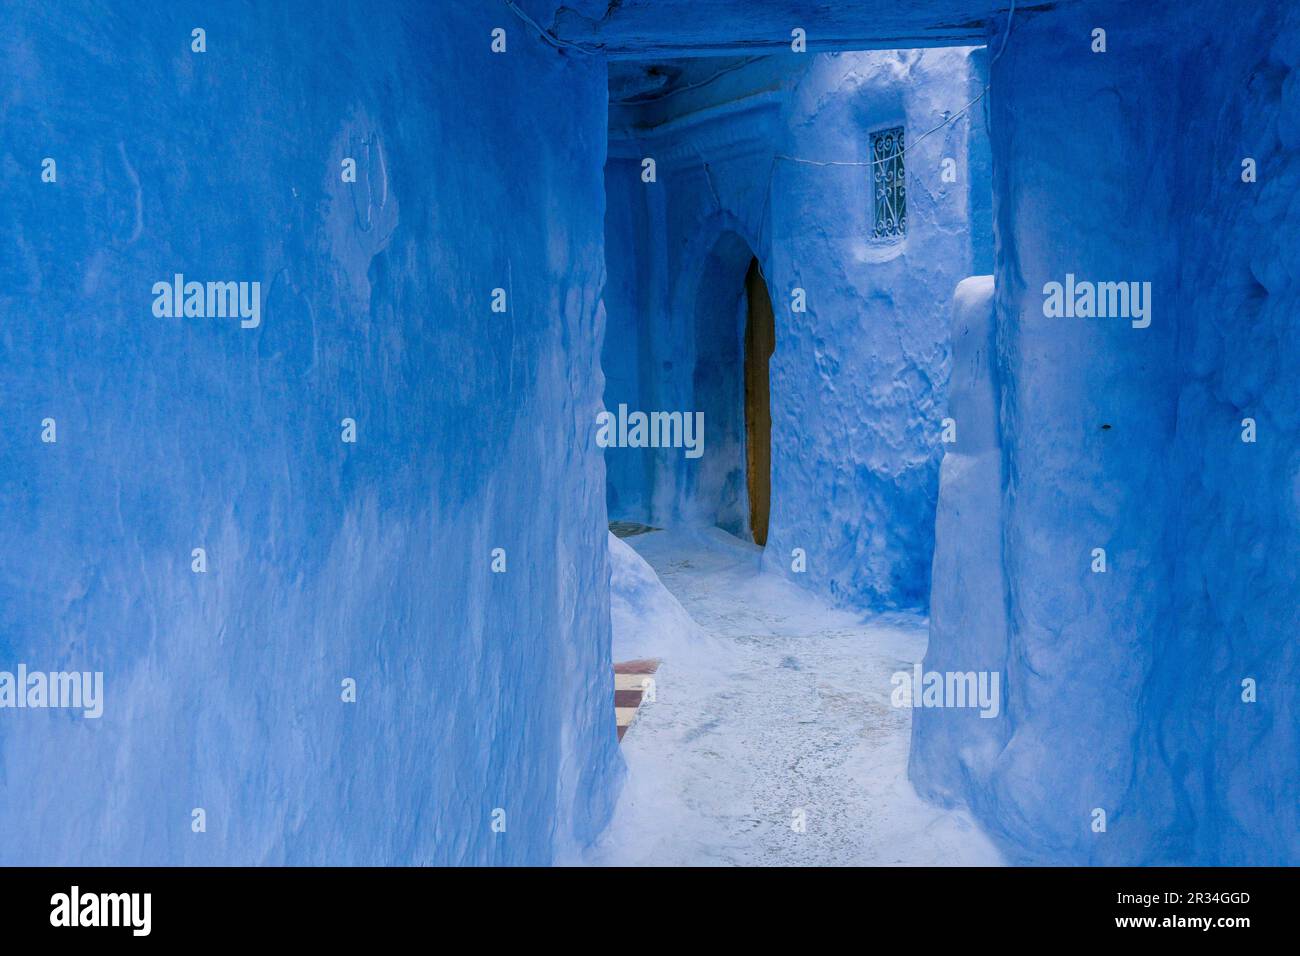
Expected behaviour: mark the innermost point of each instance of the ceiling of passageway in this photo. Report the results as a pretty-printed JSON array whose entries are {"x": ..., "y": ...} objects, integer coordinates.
[{"x": 645, "y": 28}]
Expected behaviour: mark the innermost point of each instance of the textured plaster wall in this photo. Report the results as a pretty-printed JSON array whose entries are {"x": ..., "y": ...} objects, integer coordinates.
[
  {"x": 954, "y": 751},
  {"x": 475, "y": 690},
  {"x": 859, "y": 381},
  {"x": 628, "y": 287},
  {"x": 1125, "y": 691}
]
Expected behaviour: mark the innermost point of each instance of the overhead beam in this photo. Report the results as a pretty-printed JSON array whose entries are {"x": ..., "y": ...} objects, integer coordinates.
[{"x": 639, "y": 29}]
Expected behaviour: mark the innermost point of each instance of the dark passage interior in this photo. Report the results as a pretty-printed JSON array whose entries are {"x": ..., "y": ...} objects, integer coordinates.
[
  {"x": 782, "y": 179},
  {"x": 760, "y": 342}
]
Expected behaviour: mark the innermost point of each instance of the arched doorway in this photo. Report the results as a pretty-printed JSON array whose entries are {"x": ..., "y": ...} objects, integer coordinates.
[
  {"x": 730, "y": 487},
  {"x": 760, "y": 342}
]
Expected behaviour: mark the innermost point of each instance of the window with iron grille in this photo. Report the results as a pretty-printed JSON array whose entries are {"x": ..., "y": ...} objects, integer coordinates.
[{"x": 890, "y": 183}]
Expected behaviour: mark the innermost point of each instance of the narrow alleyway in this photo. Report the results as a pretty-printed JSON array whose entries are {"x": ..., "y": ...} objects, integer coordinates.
[{"x": 779, "y": 716}]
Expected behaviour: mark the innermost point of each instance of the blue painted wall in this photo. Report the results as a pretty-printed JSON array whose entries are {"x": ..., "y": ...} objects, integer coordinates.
[
  {"x": 860, "y": 380},
  {"x": 629, "y": 290},
  {"x": 1126, "y": 691},
  {"x": 475, "y": 690}
]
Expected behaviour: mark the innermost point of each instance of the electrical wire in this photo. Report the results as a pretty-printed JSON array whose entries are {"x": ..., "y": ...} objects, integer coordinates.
[{"x": 550, "y": 37}]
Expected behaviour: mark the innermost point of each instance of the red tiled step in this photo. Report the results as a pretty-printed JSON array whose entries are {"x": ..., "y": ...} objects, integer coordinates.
[
  {"x": 627, "y": 699},
  {"x": 636, "y": 667}
]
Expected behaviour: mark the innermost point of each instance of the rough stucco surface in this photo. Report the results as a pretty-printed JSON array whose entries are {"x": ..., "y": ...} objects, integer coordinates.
[
  {"x": 326, "y": 560},
  {"x": 955, "y": 750},
  {"x": 1123, "y": 689},
  {"x": 859, "y": 381},
  {"x": 1236, "y": 532},
  {"x": 628, "y": 284}
]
